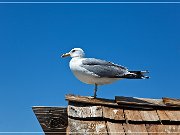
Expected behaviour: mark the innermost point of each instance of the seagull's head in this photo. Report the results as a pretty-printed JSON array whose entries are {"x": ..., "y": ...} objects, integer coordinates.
[{"x": 76, "y": 52}]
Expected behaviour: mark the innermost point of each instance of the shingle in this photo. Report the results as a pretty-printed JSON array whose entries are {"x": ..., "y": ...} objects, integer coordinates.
[
  {"x": 149, "y": 115},
  {"x": 163, "y": 129},
  {"x": 173, "y": 115},
  {"x": 162, "y": 115},
  {"x": 113, "y": 113},
  {"x": 84, "y": 111},
  {"x": 132, "y": 115},
  {"x": 138, "y": 129},
  {"x": 115, "y": 128},
  {"x": 81, "y": 127}
]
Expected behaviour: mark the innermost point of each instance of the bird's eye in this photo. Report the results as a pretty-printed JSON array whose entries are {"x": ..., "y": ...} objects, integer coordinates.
[{"x": 73, "y": 50}]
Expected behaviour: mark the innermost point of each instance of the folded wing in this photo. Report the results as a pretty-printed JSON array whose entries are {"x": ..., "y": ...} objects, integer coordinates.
[{"x": 104, "y": 68}]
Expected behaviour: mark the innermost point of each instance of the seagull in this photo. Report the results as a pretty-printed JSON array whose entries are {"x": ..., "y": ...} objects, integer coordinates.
[{"x": 98, "y": 72}]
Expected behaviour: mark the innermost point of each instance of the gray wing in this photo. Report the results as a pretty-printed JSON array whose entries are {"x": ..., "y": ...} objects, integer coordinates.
[{"x": 104, "y": 68}]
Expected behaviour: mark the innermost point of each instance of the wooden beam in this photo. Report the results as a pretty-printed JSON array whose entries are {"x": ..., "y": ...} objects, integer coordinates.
[
  {"x": 91, "y": 100},
  {"x": 138, "y": 101}
]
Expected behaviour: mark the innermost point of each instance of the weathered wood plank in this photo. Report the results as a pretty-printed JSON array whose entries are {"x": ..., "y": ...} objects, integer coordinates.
[
  {"x": 113, "y": 113},
  {"x": 173, "y": 115},
  {"x": 162, "y": 115},
  {"x": 86, "y": 127},
  {"x": 154, "y": 102},
  {"x": 115, "y": 128},
  {"x": 85, "y": 112},
  {"x": 138, "y": 129},
  {"x": 171, "y": 101},
  {"x": 163, "y": 129},
  {"x": 52, "y": 119},
  {"x": 91, "y": 100},
  {"x": 149, "y": 115},
  {"x": 139, "y": 101},
  {"x": 132, "y": 115},
  {"x": 130, "y": 100}
]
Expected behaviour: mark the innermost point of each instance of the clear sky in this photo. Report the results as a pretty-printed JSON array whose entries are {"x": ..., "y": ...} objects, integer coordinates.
[{"x": 33, "y": 36}]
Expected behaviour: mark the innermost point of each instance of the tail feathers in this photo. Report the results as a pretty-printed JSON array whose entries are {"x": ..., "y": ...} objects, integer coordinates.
[{"x": 136, "y": 75}]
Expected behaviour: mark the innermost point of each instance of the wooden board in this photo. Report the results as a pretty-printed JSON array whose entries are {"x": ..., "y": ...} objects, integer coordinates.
[
  {"x": 162, "y": 115},
  {"x": 52, "y": 119},
  {"x": 86, "y": 127},
  {"x": 132, "y": 102},
  {"x": 91, "y": 100},
  {"x": 113, "y": 113},
  {"x": 163, "y": 129},
  {"x": 150, "y": 115},
  {"x": 138, "y": 129},
  {"x": 138, "y": 101},
  {"x": 173, "y": 115},
  {"x": 115, "y": 128},
  {"x": 132, "y": 115},
  {"x": 85, "y": 111},
  {"x": 153, "y": 102}
]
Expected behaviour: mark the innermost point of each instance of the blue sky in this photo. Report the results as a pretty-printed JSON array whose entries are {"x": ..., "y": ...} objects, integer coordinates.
[{"x": 33, "y": 36}]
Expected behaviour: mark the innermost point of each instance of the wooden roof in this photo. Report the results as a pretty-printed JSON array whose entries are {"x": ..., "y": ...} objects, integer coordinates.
[{"x": 123, "y": 115}]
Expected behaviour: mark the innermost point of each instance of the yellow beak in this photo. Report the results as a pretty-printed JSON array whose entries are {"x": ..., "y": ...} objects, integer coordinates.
[{"x": 65, "y": 55}]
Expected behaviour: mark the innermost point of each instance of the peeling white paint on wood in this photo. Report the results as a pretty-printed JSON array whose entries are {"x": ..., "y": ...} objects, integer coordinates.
[{"x": 85, "y": 112}]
